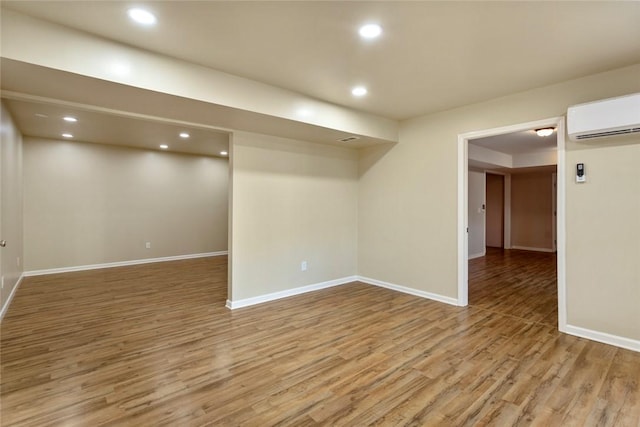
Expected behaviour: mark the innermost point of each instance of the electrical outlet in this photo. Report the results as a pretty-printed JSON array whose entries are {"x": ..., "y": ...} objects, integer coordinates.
[
  {"x": 2, "y": 282},
  {"x": 17, "y": 261},
  {"x": 303, "y": 266},
  {"x": 147, "y": 245}
]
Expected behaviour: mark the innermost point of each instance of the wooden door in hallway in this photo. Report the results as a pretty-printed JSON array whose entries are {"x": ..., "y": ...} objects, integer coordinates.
[{"x": 495, "y": 211}]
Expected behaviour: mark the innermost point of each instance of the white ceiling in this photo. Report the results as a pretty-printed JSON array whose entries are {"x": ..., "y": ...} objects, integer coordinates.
[
  {"x": 105, "y": 128},
  {"x": 517, "y": 144},
  {"x": 432, "y": 55},
  {"x": 525, "y": 142}
]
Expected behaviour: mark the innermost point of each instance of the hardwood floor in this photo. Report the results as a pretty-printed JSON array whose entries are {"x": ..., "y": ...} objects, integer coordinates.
[
  {"x": 154, "y": 345},
  {"x": 516, "y": 283}
]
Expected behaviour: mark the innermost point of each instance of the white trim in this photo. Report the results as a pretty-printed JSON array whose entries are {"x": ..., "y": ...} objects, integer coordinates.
[
  {"x": 120, "y": 263},
  {"x": 463, "y": 267},
  {"x": 410, "y": 291},
  {"x": 478, "y": 255},
  {"x": 603, "y": 337},
  {"x": 232, "y": 305},
  {"x": 5, "y": 307},
  {"x": 529, "y": 248},
  {"x": 561, "y": 224},
  {"x": 463, "y": 221}
]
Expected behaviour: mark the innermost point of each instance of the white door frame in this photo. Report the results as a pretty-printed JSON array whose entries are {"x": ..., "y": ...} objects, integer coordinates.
[{"x": 463, "y": 220}]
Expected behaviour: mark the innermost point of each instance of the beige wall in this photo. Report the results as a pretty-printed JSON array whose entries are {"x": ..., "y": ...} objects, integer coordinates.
[
  {"x": 293, "y": 201},
  {"x": 11, "y": 193},
  {"x": 92, "y": 204},
  {"x": 603, "y": 237},
  {"x": 407, "y": 231},
  {"x": 531, "y": 210}
]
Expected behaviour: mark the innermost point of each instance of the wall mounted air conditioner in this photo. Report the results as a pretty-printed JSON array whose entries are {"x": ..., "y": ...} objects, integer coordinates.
[{"x": 614, "y": 116}]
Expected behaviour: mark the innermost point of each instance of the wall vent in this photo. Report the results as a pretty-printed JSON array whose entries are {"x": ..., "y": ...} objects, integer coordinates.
[
  {"x": 608, "y": 133},
  {"x": 349, "y": 139}
]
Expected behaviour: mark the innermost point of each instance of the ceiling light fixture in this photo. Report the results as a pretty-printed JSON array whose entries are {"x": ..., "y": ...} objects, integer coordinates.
[
  {"x": 544, "y": 131},
  {"x": 163, "y": 146},
  {"x": 67, "y": 135},
  {"x": 141, "y": 16},
  {"x": 184, "y": 135},
  {"x": 359, "y": 91},
  {"x": 223, "y": 153},
  {"x": 370, "y": 31},
  {"x": 304, "y": 112},
  {"x": 70, "y": 119}
]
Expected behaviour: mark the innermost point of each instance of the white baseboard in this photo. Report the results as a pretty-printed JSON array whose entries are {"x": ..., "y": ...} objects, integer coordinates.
[
  {"x": 315, "y": 287},
  {"x": 527, "y": 248},
  {"x": 288, "y": 293},
  {"x": 478, "y": 255},
  {"x": 602, "y": 337},
  {"x": 121, "y": 263},
  {"x": 410, "y": 291},
  {"x": 5, "y": 307}
]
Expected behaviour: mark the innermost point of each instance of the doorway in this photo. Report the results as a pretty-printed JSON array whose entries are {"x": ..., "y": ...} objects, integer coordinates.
[{"x": 463, "y": 208}]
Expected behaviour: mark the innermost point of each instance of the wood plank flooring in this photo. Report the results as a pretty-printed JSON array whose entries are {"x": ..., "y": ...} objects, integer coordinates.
[
  {"x": 153, "y": 345},
  {"x": 517, "y": 283}
]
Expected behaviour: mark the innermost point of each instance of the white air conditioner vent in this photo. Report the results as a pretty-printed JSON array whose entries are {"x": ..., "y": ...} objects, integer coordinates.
[
  {"x": 609, "y": 117},
  {"x": 608, "y": 133}
]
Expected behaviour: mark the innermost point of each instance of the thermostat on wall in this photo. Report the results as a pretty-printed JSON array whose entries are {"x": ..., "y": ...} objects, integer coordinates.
[{"x": 580, "y": 175}]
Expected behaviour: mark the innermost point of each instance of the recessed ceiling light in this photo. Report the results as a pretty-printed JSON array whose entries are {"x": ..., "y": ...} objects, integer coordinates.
[
  {"x": 44, "y": 116},
  {"x": 223, "y": 153},
  {"x": 184, "y": 135},
  {"x": 164, "y": 146},
  {"x": 304, "y": 112},
  {"x": 70, "y": 119},
  {"x": 120, "y": 69},
  {"x": 370, "y": 31},
  {"x": 359, "y": 91},
  {"x": 142, "y": 16},
  {"x": 67, "y": 135}
]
